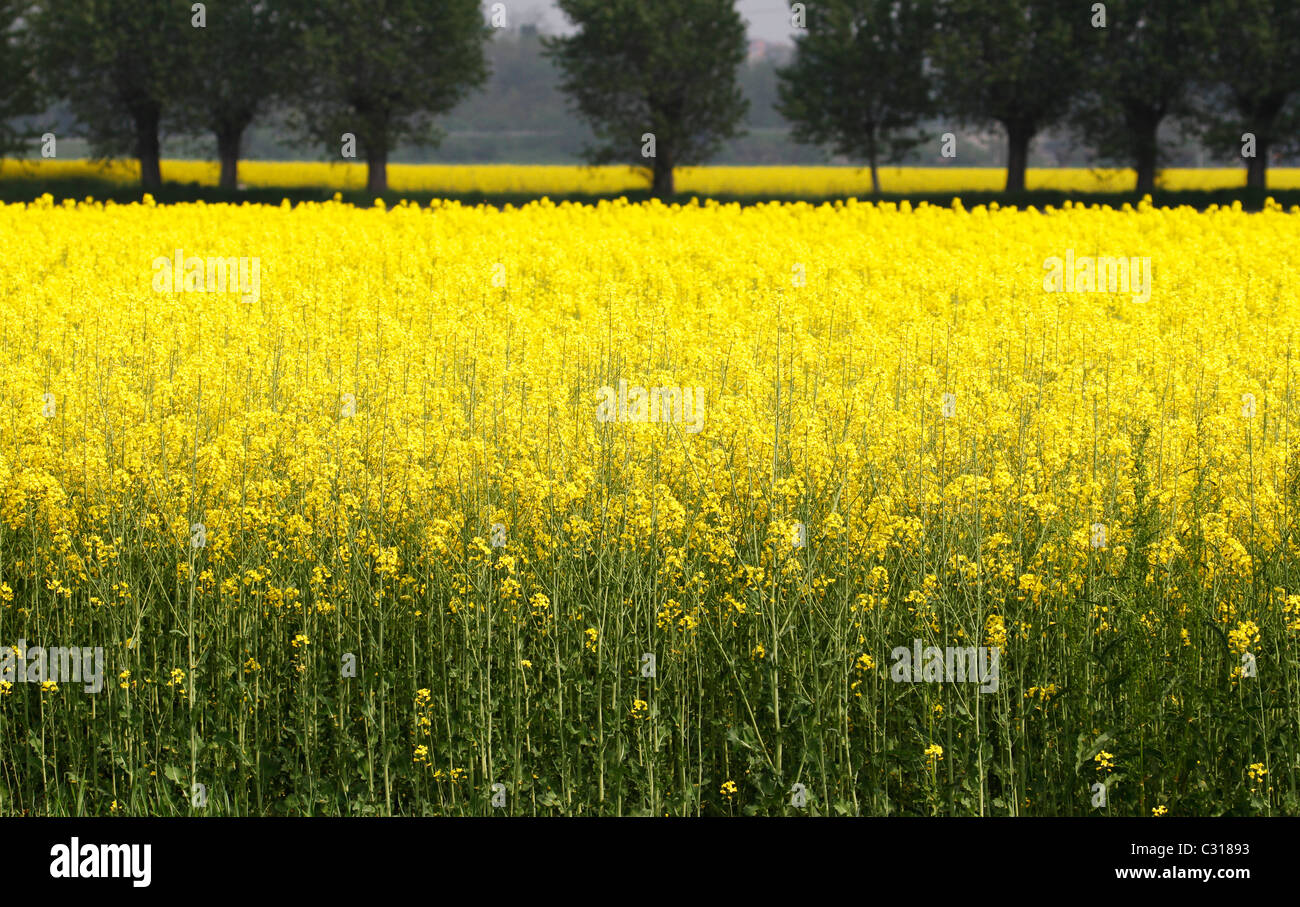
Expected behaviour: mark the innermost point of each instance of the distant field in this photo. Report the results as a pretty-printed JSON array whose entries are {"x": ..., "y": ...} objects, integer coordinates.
[{"x": 720, "y": 181}]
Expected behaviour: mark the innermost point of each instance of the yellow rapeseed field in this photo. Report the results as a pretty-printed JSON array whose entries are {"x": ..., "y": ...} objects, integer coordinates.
[
  {"x": 557, "y": 180},
  {"x": 630, "y": 508}
]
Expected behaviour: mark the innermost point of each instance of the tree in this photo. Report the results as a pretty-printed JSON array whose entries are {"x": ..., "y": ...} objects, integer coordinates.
[
  {"x": 20, "y": 95},
  {"x": 1255, "y": 62},
  {"x": 381, "y": 70},
  {"x": 858, "y": 81},
  {"x": 239, "y": 61},
  {"x": 1014, "y": 62},
  {"x": 1143, "y": 70},
  {"x": 654, "y": 80},
  {"x": 118, "y": 62}
]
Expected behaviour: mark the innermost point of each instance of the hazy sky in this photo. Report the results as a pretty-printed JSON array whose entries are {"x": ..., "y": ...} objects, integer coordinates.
[{"x": 768, "y": 19}]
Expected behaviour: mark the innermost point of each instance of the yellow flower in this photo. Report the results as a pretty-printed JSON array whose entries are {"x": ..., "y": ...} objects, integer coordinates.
[
  {"x": 1104, "y": 760},
  {"x": 1160, "y": 811},
  {"x": 640, "y": 708},
  {"x": 728, "y": 789},
  {"x": 1042, "y": 694},
  {"x": 1245, "y": 636},
  {"x": 995, "y": 630}
]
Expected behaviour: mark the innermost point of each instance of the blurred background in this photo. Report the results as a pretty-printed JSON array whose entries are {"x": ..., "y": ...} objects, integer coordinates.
[{"x": 1151, "y": 85}]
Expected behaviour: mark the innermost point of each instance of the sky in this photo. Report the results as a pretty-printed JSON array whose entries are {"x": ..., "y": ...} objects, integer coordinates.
[{"x": 769, "y": 20}]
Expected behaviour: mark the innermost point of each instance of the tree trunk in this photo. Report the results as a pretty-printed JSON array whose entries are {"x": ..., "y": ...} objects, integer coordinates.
[
  {"x": 377, "y": 170},
  {"x": 1257, "y": 166},
  {"x": 148, "y": 148},
  {"x": 1146, "y": 150},
  {"x": 1018, "y": 138},
  {"x": 1262, "y": 121},
  {"x": 875, "y": 169},
  {"x": 662, "y": 183},
  {"x": 228, "y": 141}
]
